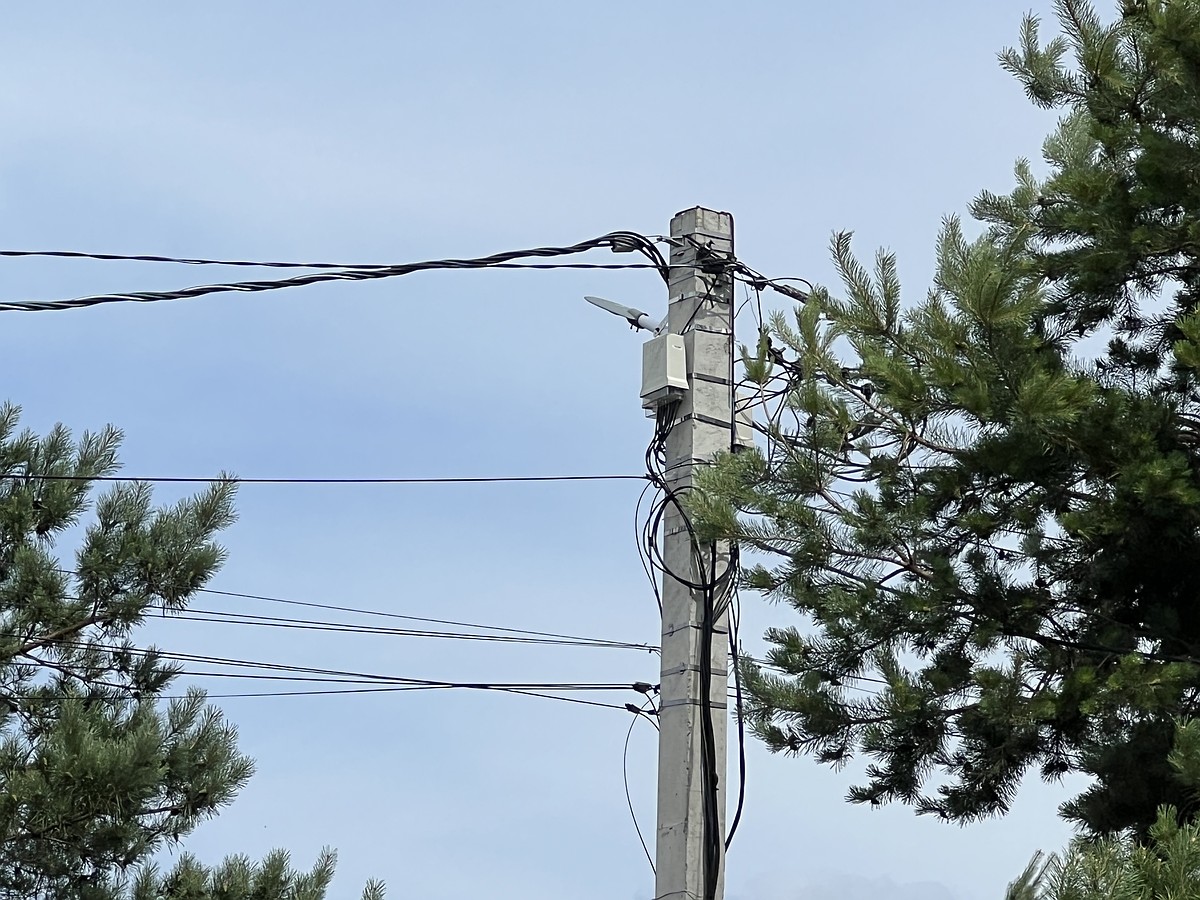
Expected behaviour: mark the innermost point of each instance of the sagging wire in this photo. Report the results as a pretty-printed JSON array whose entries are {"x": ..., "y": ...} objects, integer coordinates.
[
  {"x": 735, "y": 616},
  {"x": 234, "y": 479},
  {"x": 229, "y": 617},
  {"x": 267, "y": 671},
  {"x": 639, "y": 712},
  {"x": 267, "y": 264}
]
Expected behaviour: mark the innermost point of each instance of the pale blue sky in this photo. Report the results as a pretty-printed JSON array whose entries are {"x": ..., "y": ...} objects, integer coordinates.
[{"x": 390, "y": 132}]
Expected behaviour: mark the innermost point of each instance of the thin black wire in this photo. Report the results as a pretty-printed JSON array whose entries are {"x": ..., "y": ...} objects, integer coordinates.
[
  {"x": 735, "y": 616},
  {"x": 425, "y": 619},
  {"x": 413, "y": 684},
  {"x": 639, "y": 533},
  {"x": 536, "y": 637},
  {"x": 337, "y": 675},
  {"x": 236, "y": 618},
  {"x": 535, "y": 689},
  {"x": 708, "y": 741},
  {"x": 233, "y": 479},
  {"x": 356, "y": 610},
  {"x": 339, "y": 691},
  {"x": 638, "y": 714},
  {"x": 619, "y": 241}
]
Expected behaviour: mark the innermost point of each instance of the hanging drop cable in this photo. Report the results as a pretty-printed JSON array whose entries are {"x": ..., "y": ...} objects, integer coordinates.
[
  {"x": 735, "y": 615},
  {"x": 638, "y": 713}
]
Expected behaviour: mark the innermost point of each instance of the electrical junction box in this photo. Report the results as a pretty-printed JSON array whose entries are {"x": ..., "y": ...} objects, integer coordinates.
[{"x": 664, "y": 370}]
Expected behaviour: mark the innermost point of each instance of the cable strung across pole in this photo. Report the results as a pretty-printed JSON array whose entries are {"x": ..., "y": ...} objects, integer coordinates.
[
  {"x": 233, "y": 479},
  {"x": 617, "y": 241}
]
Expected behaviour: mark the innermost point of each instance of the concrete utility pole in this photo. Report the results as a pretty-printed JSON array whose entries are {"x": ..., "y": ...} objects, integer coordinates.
[{"x": 701, "y": 310}]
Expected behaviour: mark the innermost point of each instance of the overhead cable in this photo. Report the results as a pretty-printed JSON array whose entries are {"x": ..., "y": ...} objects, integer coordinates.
[
  {"x": 618, "y": 241},
  {"x": 236, "y": 618},
  {"x": 265, "y": 264},
  {"x": 233, "y": 479},
  {"x": 410, "y": 618},
  {"x": 267, "y": 671}
]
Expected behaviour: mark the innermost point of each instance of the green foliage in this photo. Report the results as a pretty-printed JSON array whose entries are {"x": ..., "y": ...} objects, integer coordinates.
[
  {"x": 1166, "y": 866},
  {"x": 995, "y": 531},
  {"x": 1116, "y": 223},
  {"x": 97, "y": 773},
  {"x": 237, "y": 878}
]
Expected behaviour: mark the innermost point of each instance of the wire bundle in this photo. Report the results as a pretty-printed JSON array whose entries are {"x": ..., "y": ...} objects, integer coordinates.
[{"x": 616, "y": 241}]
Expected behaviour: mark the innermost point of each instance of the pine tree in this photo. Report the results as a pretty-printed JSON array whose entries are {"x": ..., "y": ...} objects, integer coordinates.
[
  {"x": 1164, "y": 867},
  {"x": 989, "y": 529},
  {"x": 97, "y": 773},
  {"x": 238, "y": 878}
]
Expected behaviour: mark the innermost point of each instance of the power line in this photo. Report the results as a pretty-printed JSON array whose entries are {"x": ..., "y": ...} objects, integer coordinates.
[
  {"x": 578, "y": 701},
  {"x": 333, "y": 674},
  {"x": 348, "y": 691},
  {"x": 618, "y": 242},
  {"x": 265, "y": 264},
  {"x": 533, "y": 636},
  {"x": 236, "y": 618},
  {"x": 512, "y": 635},
  {"x": 233, "y": 479},
  {"x": 424, "y": 619},
  {"x": 521, "y": 635},
  {"x": 379, "y": 683}
]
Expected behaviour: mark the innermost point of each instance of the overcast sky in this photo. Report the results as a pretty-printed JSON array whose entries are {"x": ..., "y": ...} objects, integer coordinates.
[{"x": 391, "y": 132}]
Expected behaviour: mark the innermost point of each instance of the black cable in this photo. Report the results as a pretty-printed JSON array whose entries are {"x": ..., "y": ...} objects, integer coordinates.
[
  {"x": 332, "y": 692},
  {"x": 618, "y": 241},
  {"x": 263, "y": 264},
  {"x": 735, "y": 627},
  {"x": 336, "y": 675},
  {"x": 233, "y": 479},
  {"x": 642, "y": 558},
  {"x": 236, "y": 618},
  {"x": 712, "y": 831},
  {"x": 639, "y": 713},
  {"x": 408, "y": 618},
  {"x": 313, "y": 674},
  {"x": 550, "y": 636}
]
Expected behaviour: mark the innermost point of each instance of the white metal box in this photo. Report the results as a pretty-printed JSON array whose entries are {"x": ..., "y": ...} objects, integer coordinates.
[{"x": 664, "y": 370}]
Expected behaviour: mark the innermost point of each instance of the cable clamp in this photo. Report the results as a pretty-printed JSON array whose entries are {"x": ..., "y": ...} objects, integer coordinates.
[
  {"x": 691, "y": 625},
  {"x": 671, "y": 704}
]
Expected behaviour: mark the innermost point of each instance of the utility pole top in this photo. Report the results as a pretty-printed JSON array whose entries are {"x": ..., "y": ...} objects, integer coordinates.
[{"x": 700, "y": 221}]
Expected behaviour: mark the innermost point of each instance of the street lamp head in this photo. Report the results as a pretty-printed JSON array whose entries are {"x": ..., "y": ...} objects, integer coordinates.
[{"x": 635, "y": 317}]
